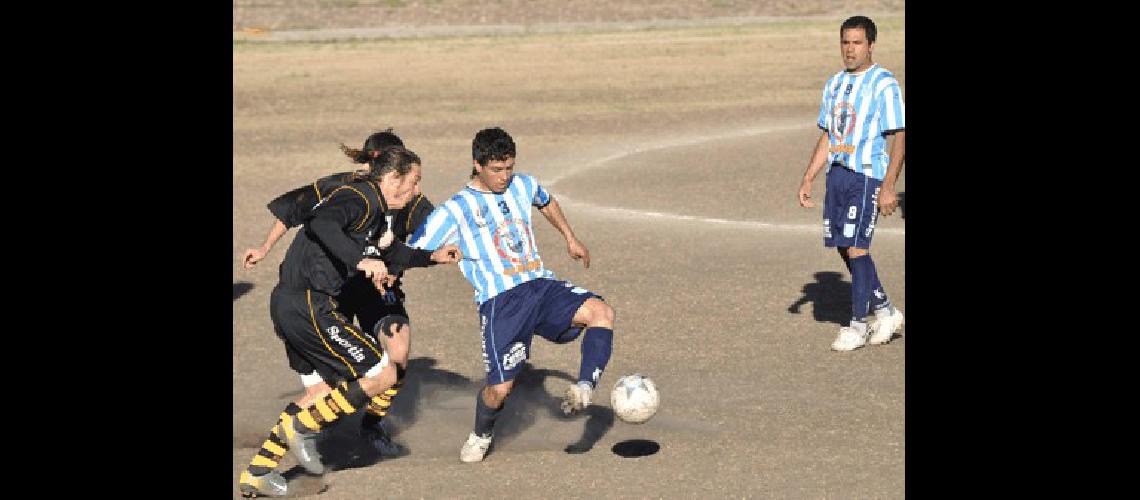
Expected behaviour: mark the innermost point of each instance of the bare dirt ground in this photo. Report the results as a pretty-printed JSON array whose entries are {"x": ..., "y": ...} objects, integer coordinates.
[
  {"x": 676, "y": 154},
  {"x": 318, "y": 14}
]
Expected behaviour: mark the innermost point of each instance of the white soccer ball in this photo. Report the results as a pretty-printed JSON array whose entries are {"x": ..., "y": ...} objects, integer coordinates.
[{"x": 635, "y": 398}]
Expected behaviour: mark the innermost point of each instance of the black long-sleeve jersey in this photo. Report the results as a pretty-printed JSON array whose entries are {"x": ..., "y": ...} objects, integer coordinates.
[
  {"x": 406, "y": 221},
  {"x": 338, "y": 229},
  {"x": 296, "y": 206}
]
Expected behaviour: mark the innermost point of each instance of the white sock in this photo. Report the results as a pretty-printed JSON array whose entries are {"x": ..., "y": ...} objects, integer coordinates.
[
  {"x": 588, "y": 390},
  {"x": 859, "y": 326}
]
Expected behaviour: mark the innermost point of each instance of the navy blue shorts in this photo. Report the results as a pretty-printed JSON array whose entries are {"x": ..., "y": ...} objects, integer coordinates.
[
  {"x": 850, "y": 208},
  {"x": 509, "y": 320}
]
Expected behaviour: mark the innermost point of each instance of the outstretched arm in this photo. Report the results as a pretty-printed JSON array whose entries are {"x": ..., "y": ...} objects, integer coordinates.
[
  {"x": 406, "y": 257},
  {"x": 254, "y": 255},
  {"x": 576, "y": 248},
  {"x": 289, "y": 210}
]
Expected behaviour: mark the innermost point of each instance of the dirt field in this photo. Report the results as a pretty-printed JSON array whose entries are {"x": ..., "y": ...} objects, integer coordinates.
[
  {"x": 676, "y": 154},
  {"x": 317, "y": 14}
]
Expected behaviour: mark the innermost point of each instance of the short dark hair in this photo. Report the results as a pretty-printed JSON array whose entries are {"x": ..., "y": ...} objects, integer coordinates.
[
  {"x": 492, "y": 144},
  {"x": 860, "y": 22}
]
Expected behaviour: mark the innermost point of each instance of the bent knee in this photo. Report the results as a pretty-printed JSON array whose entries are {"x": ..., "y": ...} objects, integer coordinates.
[
  {"x": 494, "y": 395},
  {"x": 600, "y": 314},
  {"x": 499, "y": 391},
  {"x": 378, "y": 379}
]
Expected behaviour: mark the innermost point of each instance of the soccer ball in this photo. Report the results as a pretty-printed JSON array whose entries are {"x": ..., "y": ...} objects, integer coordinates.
[{"x": 635, "y": 398}]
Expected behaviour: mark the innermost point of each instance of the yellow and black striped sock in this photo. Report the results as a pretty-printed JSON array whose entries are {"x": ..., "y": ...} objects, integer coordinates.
[
  {"x": 344, "y": 400},
  {"x": 274, "y": 446},
  {"x": 379, "y": 404}
]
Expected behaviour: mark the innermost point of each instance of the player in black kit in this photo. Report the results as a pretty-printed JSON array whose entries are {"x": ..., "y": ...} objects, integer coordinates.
[
  {"x": 358, "y": 298},
  {"x": 324, "y": 255}
]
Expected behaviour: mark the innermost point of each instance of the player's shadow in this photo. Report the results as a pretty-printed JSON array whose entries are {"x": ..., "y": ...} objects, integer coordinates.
[
  {"x": 302, "y": 483},
  {"x": 902, "y": 204},
  {"x": 529, "y": 398},
  {"x": 600, "y": 420},
  {"x": 830, "y": 296},
  {"x": 242, "y": 288},
  {"x": 345, "y": 447}
]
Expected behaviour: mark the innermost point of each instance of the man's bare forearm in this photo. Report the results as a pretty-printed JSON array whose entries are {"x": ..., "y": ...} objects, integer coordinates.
[
  {"x": 898, "y": 154},
  {"x": 818, "y": 159},
  {"x": 553, "y": 213},
  {"x": 275, "y": 233}
]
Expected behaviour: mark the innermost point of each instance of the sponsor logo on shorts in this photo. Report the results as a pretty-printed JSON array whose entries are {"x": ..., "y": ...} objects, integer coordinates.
[
  {"x": 353, "y": 350},
  {"x": 483, "y": 343},
  {"x": 516, "y": 355},
  {"x": 874, "y": 212},
  {"x": 849, "y": 230}
]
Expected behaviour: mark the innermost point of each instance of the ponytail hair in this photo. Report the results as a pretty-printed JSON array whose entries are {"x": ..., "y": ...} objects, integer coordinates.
[
  {"x": 391, "y": 159},
  {"x": 373, "y": 145}
]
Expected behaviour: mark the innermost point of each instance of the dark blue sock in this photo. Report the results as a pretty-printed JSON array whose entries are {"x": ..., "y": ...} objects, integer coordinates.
[
  {"x": 861, "y": 278},
  {"x": 876, "y": 302},
  {"x": 597, "y": 344},
  {"x": 879, "y": 297},
  {"x": 846, "y": 259},
  {"x": 485, "y": 417}
]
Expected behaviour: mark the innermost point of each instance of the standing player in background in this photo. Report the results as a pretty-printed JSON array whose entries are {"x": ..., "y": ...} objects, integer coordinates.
[
  {"x": 375, "y": 311},
  {"x": 518, "y": 297},
  {"x": 862, "y": 105}
]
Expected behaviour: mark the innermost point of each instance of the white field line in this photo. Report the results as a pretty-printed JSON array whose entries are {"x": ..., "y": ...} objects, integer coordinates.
[
  {"x": 727, "y": 223},
  {"x": 691, "y": 141},
  {"x": 669, "y": 216}
]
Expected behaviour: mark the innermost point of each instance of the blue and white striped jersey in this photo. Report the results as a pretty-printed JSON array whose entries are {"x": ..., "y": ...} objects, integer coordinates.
[
  {"x": 493, "y": 231},
  {"x": 856, "y": 109}
]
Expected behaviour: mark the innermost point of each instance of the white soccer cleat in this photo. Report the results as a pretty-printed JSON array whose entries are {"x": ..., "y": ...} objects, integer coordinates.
[
  {"x": 885, "y": 328},
  {"x": 475, "y": 448},
  {"x": 577, "y": 398},
  {"x": 272, "y": 484},
  {"x": 303, "y": 445},
  {"x": 849, "y": 339}
]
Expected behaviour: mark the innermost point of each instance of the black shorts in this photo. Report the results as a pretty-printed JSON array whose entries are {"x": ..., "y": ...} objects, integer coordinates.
[
  {"x": 361, "y": 300},
  {"x": 318, "y": 337}
]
